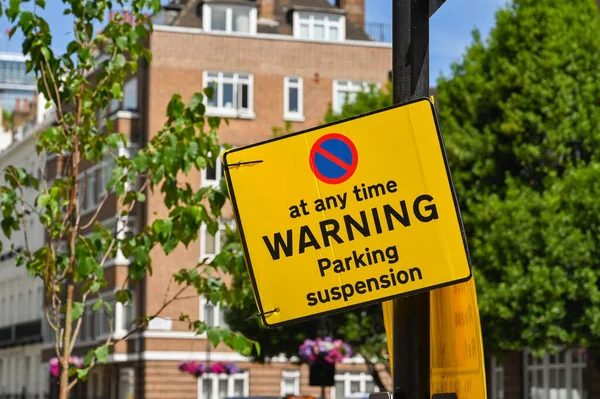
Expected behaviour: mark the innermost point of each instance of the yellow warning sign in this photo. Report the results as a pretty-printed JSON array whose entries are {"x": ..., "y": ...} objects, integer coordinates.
[
  {"x": 347, "y": 214},
  {"x": 457, "y": 361}
]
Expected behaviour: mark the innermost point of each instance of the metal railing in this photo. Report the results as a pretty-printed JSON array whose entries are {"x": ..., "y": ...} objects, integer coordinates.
[{"x": 379, "y": 31}]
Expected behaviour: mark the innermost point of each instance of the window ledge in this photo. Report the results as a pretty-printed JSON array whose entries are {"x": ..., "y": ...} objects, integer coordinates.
[
  {"x": 210, "y": 183},
  {"x": 230, "y": 32},
  {"x": 309, "y": 39},
  {"x": 206, "y": 258},
  {"x": 229, "y": 113},
  {"x": 123, "y": 114},
  {"x": 294, "y": 118}
]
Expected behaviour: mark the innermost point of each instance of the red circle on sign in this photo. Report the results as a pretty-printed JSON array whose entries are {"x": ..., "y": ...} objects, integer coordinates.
[{"x": 317, "y": 150}]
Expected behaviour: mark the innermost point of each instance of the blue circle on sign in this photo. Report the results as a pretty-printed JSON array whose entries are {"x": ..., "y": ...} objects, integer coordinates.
[{"x": 333, "y": 158}]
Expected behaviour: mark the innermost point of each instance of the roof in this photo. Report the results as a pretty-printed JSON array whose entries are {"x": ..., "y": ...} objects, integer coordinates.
[
  {"x": 189, "y": 14},
  {"x": 19, "y": 57}
]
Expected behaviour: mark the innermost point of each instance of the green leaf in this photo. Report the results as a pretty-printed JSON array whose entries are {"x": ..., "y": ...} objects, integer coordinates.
[
  {"x": 240, "y": 344},
  {"x": 77, "y": 310},
  {"x": 85, "y": 265},
  {"x": 102, "y": 353},
  {"x": 209, "y": 92},
  {"x": 123, "y": 296},
  {"x": 87, "y": 360},
  {"x": 97, "y": 305},
  {"x": 26, "y": 19},
  {"x": 176, "y": 107},
  {"x": 46, "y": 53},
  {"x": 8, "y": 224},
  {"x": 140, "y": 197},
  {"x": 196, "y": 103},
  {"x": 117, "y": 90},
  {"x": 119, "y": 61},
  {"x": 214, "y": 336},
  {"x": 82, "y": 374},
  {"x": 95, "y": 287},
  {"x": 257, "y": 348},
  {"x": 122, "y": 42},
  {"x": 141, "y": 161},
  {"x": 14, "y": 8}
]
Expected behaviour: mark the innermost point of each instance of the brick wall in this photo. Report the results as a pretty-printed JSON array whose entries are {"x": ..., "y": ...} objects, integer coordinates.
[
  {"x": 164, "y": 380},
  {"x": 180, "y": 58}
]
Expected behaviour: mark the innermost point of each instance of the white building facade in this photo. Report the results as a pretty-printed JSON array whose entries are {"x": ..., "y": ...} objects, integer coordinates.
[{"x": 21, "y": 296}]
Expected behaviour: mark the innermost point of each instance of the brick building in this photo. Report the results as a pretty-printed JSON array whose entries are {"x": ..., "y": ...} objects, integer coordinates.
[{"x": 272, "y": 62}]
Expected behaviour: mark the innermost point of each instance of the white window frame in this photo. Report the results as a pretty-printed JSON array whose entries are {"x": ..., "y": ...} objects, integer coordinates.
[
  {"x": 206, "y": 182},
  {"x": 101, "y": 313},
  {"x": 216, "y": 322},
  {"x": 118, "y": 316},
  {"x": 220, "y": 110},
  {"x": 287, "y": 375},
  {"x": 349, "y": 86},
  {"x": 215, "y": 378},
  {"x": 95, "y": 389},
  {"x": 497, "y": 374},
  {"x": 349, "y": 377},
  {"x": 91, "y": 193},
  {"x": 340, "y": 24},
  {"x": 88, "y": 323},
  {"x": 297, "y": 116},
  {"x": 126, "y": 381},
  {"x": 203, "y": 234},
  {"x": 130, "y": 94},
  {"x": 545, "y": 365},
  {"x": 105, "y": 174},
  {"x": 207, "y": 18}
]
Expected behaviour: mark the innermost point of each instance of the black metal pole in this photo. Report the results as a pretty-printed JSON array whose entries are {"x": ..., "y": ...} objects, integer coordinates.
[{"x": 410, "y": 72}]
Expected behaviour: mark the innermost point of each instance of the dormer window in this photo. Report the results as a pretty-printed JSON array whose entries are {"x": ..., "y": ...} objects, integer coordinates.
[
  {"x": 229, "y": 18},
  {"x": 317, "y": 26}
]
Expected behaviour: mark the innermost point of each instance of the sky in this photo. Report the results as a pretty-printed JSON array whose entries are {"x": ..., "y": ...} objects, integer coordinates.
[{"x": 450, "y": 28}]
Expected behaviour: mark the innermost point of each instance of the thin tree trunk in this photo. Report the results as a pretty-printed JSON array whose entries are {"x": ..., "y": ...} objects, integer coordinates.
[
  {"x": 64, "y": 371},
  {"x": 74, "y": 226}
]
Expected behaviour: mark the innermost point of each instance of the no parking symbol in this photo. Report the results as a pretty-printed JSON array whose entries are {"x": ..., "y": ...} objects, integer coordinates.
[{"x": 333, "y": 158}]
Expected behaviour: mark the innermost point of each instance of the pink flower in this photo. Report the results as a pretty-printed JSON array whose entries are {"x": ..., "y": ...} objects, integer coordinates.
[
  {"x": 54, "y": 364},
  {"x": 325, "y": 350},
  {"x": 218, "y": 368}
]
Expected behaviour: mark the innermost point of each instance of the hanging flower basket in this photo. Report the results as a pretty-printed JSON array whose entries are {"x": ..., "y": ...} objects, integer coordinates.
[
  {"x": 322, "y": 354},
  {"x": 54, "y": 365},
  {"x": 324, "y": 350},
  {"x": 199, "y": 369}
]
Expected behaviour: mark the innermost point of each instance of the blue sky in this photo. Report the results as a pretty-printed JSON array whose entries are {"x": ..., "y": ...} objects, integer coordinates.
[{"x": 450, "y": 28}]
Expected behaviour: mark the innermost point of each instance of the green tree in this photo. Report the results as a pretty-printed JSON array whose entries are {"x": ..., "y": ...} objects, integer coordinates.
[
  {"x": 367, "y": 101},
  {"x": 519, "y": 115},
  {"x": 81, "y": 82},
  {"x": 7, "y": 118}
]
